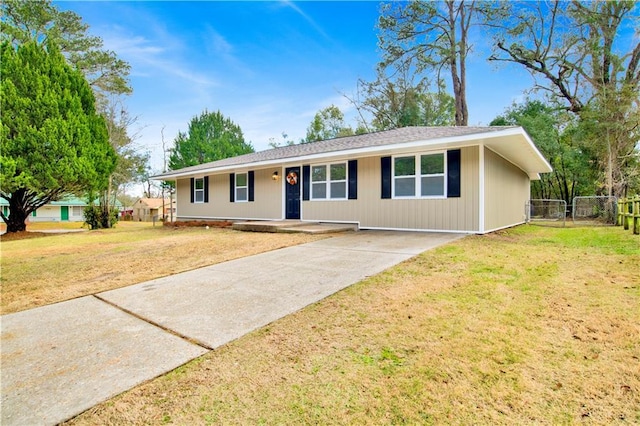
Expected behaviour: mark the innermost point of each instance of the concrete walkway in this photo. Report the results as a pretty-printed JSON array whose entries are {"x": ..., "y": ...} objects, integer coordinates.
[{"x": 62, "y": 359}]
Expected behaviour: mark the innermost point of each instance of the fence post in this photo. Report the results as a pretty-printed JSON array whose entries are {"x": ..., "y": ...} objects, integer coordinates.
[
  {"x": 620, "y": 217},
  {"x": 636, "y": 215},
  {"x": 625, "y": 214}
]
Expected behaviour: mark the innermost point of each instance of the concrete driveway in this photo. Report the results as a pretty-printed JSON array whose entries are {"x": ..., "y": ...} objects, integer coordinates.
[{"x": 62, "y": 359}]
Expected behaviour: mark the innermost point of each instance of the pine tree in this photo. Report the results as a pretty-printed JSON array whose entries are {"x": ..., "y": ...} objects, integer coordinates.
[{"x": 53, "y": 141}]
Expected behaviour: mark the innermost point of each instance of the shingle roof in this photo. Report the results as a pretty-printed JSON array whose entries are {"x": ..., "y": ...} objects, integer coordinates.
[{"x": 337, "y": 145}]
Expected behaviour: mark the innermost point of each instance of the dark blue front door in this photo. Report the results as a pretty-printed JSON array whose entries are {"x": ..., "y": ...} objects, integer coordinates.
[{"x": 292, "y": 192}]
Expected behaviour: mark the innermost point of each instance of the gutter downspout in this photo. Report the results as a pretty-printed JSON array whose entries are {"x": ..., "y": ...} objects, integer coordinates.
[{"x": 481, "y": 200}]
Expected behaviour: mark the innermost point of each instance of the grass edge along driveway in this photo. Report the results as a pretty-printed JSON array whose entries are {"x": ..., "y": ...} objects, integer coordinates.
[{"x": 527, "y": 325}]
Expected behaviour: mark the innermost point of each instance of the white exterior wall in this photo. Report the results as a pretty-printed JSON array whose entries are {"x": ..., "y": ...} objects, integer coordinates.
[{"x": 50, "y": 213}]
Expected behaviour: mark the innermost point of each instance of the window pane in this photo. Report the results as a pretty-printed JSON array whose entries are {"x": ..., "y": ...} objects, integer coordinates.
[
  {"x": 405, "y": 166},
  {"x": 432, "y": 164},
  {"x": 318, "y": 173},
  {"x": 338, "y": 172},
  {"x": 241, "y": 194},
  {"x": 199, "y": 196},
  {"x": 433, "y": 186},
  {"x": 199, "y": 183},
  {"x": 405, "y": 187},
  {"x": 319, "y": 190},
  {"x": 241, "y": 179},
  {"x": 338, "y": 190}
]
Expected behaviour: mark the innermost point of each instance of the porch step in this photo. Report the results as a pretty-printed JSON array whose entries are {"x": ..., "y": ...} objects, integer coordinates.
[{"x": 292, "y": 226}]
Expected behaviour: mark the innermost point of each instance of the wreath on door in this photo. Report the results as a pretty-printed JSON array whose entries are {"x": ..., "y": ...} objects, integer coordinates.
[{"x": 292, "y": 178}]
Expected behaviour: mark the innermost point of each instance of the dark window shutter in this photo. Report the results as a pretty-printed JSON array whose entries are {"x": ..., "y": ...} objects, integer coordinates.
[
  {"x": 453, "y": 173},
  {"x": 206, "y": 189},
  {"x": 353, "y": 179},
  {"x": 306, "y": 182},
  {"x": 193, "y": 189},
  {"x": 385, "y": 168},
  {"x": 251, "y": 178},
  {"x": 232, "y": 187}
]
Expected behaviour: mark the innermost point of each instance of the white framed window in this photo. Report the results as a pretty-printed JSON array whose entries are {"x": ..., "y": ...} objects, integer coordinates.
[
  {"x": 198, "y": 190},
  {"x": 404, "y": 176},
  {"x": 420, "y": 175},
  {"x": 318, "y": 182},
  {"x": 432, "y": 175},
  {"x": 338, "y": 181},
  {"x": 242, "y": 187},
  {"x": 329, "y": 182},
  {"x": 76, "y": 211}
]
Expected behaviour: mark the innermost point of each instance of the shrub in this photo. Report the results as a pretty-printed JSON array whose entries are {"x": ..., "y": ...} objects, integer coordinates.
[{"x": 99, "y": 218}]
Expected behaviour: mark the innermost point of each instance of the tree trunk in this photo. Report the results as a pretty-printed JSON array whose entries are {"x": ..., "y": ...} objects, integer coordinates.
[
  {"x": 17, "y": 220},
  {"x": 609, "y": 167},
  {"x": 453, "y": 67},
  {"x": 464, "y": 27}
]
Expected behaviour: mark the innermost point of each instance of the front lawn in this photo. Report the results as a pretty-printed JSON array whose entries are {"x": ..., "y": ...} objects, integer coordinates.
[
  {"x": 53, "y": 268},
  {"x": 526, "y": 326}
]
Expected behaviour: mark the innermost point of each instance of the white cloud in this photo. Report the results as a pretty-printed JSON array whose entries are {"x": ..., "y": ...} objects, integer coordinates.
[
  {"x": 306, "y": 17},
  {"x": 218, "y": 44},
  {"x": 158, "y": 54}
]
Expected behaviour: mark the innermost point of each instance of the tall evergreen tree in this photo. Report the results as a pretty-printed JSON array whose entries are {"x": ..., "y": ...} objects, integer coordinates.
[
  {"x": 42, "y": 22},
  {"x": 211, "y": 137},
  {"x": 53, "y": 141}
]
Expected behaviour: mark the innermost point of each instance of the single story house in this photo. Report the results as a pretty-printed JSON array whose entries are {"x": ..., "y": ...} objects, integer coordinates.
[
  {"x": 147, "y": 209},
  {"x": 68, "y": 209},
  {"x": 451, "y": 179}
]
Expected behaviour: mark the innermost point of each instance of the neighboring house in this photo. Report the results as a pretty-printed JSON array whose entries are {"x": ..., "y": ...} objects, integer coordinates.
[
  {"x": 452, "y": 179},
  {"x": 146, "y": 209},
  {"x": 69, "y": 209}
]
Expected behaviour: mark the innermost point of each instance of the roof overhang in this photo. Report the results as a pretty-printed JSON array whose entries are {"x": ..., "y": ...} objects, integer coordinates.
[{"x": 513, "y": 144}]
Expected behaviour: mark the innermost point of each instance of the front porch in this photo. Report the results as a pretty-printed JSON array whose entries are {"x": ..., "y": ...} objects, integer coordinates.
[{"x": 292, "y": 226}]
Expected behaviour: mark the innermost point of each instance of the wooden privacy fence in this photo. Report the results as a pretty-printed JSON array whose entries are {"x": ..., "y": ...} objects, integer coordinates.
[{"x": 629, "y": 213}]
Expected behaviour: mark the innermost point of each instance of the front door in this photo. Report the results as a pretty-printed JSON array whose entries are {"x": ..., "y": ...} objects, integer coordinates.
[
  {"x": 292, "y": 192},
  {"x": 64, "y": 212}
]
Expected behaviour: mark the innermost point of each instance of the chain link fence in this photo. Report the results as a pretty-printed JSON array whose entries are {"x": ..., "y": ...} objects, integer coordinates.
[
  {"x": 584, "y": 211},
  {"x": 602, "y": 210},
  {"x": 549, "y": 212}
]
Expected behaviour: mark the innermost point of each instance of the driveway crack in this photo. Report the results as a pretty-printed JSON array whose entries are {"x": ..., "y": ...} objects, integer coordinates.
[{"x": 155, "y": 324}]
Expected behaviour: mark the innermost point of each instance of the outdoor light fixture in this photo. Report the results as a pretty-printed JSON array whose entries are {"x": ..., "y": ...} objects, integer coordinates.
[{"x": 275, "y": 176}]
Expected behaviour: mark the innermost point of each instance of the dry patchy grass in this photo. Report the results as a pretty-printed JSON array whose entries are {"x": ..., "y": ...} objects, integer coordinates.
[
  {"x": 525, "y": 326},
  {"x": 40, "y": 271}
]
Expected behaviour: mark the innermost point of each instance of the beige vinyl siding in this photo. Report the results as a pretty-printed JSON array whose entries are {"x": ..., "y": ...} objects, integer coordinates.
[
  {"x": 267, "y": 203},
  {"x": 506, "y": 192},
  {"x": 370, "y": 211}
]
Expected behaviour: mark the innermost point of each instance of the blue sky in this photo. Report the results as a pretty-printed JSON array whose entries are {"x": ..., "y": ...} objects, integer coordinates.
[{"x": 268, "y": 66}]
